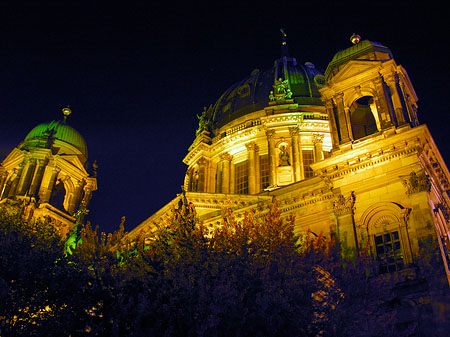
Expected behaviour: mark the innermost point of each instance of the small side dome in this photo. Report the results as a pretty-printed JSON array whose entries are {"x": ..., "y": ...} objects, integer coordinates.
[
  {"x": 40, "y": 135},
  {"x": 361, "y": 50},
  {"x": 252, "y": 93}
]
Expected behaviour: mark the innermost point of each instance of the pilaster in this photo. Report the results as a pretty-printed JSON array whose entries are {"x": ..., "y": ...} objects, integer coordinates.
[
  {"x": 252, "y": 149},
  {"x": 294, "y": 131},
  {"x": 272, "y": 160}
]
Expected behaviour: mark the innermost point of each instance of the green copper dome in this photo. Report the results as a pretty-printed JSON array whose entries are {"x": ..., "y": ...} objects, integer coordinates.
[
  {"x": 364, "y": 50},
  {"x": 252, "y": 93},
  {"x": 42, "y": 133}
]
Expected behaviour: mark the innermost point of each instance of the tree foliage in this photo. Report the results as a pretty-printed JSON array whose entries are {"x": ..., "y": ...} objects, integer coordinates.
[{"x": 245, "y": 277}]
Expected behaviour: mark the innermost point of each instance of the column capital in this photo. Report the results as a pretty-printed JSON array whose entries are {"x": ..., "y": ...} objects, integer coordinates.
[
  {"x": 328, "y": 103},
  {"x": 338, "y": 96},
  {"x": 42, "y": 161},
  {"x": 201, "y": 161},
  {"x": 252, "y": 146},
  {"x": 270, "y": 133},
  {"x": 343, "y": 205},
  {"x": 294, "y": 130},
  {"x": 226, "y": 156},
  {"x": 317, "y": 138}
]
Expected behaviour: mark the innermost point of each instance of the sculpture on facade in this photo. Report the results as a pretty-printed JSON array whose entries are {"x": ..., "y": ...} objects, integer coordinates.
[
  {"x": 284, "y": 156},
  {"x": 203, "y": 121},
  {"x": 281, "y": 91}
]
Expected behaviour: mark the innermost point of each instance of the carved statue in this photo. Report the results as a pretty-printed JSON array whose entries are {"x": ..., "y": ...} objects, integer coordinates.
[
  {"x": 281, "y": 91},
  {"x": 203, "y": 122},
  {"x": 284, "y": 156}
]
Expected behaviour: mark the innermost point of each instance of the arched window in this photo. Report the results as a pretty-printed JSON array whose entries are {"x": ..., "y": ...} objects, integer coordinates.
[
  {"x": 363, "y": 121},
  {"x": 387, "y": 235},
  {"x": 58, "y": 195}
]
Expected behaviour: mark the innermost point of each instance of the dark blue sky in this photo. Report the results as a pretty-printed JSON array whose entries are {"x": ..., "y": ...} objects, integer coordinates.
[{"x": 136, "y": 75}]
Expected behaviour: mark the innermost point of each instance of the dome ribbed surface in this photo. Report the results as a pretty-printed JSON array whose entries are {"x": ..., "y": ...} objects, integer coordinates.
[
  {"x": 61, "y": 131},
  {"x": 252, "y": 93}
]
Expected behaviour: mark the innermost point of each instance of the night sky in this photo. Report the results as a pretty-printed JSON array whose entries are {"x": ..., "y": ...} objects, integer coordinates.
[{"x": 135, "y": 76}]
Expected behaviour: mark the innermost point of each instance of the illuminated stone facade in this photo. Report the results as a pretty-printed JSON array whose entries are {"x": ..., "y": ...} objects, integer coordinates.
[
  {"x": 46, "y": 174},
  {"x": 343, "y": 152}
]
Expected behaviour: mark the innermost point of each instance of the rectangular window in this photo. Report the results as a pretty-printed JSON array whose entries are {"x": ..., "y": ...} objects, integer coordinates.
[
  {"x": 241, "y": 178},
  {"x": 308, "y": 159},
  {"x": 389, "y": 252},
  {"x": 264, "y": 167}
]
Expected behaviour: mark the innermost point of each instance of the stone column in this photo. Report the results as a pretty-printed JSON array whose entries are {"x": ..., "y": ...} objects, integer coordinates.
[
  {"x": 344, "y": 210},
  {"x": 201, "y": 187},
  {"x": 252, "y": 149},
  {"x": 212, "y": 177},
  {"x": 294, "y": 131},
  {"x": 8, "y": 183},
  {"x": 232, "y": 178},
  {"x": 384, "y": 113},
  {"x": 186, "y": 185},
  {"x": 87, "y": 196},
  {"x": 258, "y": 171},
  {"x": 219, "y": 175},
  {"x": 317, "y": 140},
  {"x": 392, "y": 82},
  {"x": 48, "y": 193},
  {"x": 37, "y": 178},
  {"x": 408, "y": 113},
  {"x": 76, "y": 197},
  {"x": 226, "y": 158},
  {"x": 272, "y": 159},
  {"x": 25, "y": 180},
  {"x": 333, "y": 127},
  {"x": 3, "y": 176},
  {"x": 343, "y": 119},
  {"x": 15, "y": 182}
]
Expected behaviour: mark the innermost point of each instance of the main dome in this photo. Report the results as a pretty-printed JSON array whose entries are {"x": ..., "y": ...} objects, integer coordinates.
[
  {"x": 57, "y": 130},
  {"x": 252, "y": 93}
]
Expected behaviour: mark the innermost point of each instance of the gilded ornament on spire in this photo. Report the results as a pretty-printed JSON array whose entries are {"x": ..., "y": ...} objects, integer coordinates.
[
  {"x": 66, "y": 112},
  {"x": 355, "y": 38}
]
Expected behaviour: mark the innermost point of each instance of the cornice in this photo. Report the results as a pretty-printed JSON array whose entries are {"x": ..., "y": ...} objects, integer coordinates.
[{"x": 372, "y": 153}]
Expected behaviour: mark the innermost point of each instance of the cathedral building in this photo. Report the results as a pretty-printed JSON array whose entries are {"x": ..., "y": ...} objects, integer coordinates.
[
  {"x": 47, "y": 174},
  {"x": 343, "y": 151}
]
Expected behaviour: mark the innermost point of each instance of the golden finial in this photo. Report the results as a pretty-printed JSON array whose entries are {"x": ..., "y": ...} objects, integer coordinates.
[
  {"x": 66, "y": 112},
  {"x": 355, "y": 38}
]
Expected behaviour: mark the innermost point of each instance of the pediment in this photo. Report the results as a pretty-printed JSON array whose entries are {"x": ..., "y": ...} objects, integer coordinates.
[
  {"x": 13, "y": 158},
  {"x": 73, "y": 160},
  {"x": 355, "y": 68}
]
